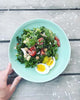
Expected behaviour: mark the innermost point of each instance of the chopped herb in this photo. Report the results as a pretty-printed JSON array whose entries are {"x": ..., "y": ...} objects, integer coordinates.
[{"x": 38, "y": 42}]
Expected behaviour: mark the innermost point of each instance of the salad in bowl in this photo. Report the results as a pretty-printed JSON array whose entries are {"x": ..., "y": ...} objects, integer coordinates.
[
  {"x": 38, "y": 48},
  {"x": 42, "y": 50}
]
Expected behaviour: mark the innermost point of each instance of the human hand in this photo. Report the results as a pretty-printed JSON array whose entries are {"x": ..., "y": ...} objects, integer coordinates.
[{"x": 6, "y": 91}]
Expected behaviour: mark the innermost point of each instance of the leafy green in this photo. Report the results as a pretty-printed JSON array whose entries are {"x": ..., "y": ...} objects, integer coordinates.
[
  {"x": 56, "y": 56},
  {"x": 29, "y": 38}
]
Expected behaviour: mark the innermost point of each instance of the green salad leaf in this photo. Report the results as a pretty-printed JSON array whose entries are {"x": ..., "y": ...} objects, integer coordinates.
[{"x": 37, "y": 43}]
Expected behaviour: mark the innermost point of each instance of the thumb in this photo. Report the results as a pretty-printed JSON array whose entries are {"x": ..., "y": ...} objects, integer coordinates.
[
  {"x": 15, "y": 83},
  {"x": 9, "y": 69}
]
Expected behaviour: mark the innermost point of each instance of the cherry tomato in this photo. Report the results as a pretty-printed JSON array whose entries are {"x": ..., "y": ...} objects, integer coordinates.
[
  {"x": 58, "y": 42},
  {"x": 42, "y": 52},
  {"x": 40, "y": 39},
  {"x": 41, "y": 43},
  {"x": 17, "y": 43},
  {"x": 32, "y": 48},
  {"x": 32, "y": 53}
]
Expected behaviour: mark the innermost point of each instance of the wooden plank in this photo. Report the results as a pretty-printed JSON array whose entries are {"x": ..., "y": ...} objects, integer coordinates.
[
  {"x": 62, "y": 88},
  {"x": 74, "y": 63},
  {"x": 39, "y": 4},
  {"x": 3, "y": 55},
  {"x": 11, "y": 20},
  {"x": 73, "y": 67}
]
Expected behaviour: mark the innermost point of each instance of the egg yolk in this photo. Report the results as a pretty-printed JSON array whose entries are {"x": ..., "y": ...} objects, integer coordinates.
[
  {"x": 50, "y": 62},
  {"x": 41, "y": 68}
]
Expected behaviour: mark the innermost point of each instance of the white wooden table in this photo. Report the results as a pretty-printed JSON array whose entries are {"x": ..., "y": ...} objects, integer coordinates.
[{"x": 65, "y": 13}]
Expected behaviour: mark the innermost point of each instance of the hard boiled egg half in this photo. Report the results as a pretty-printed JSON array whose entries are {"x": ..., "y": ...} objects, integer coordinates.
[
  {"x": 51, "y": 62},
  {"x": 42, "y": 68}
]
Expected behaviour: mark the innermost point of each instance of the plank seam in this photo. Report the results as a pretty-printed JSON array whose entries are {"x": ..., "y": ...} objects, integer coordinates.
[
  {"x": 38, "y": 9},
  {"x": 69, "y": 74},
  {"x": 4, "y": 41},
  {"x": 74, "y": 39},
  {"x": 7, "y": 41}
]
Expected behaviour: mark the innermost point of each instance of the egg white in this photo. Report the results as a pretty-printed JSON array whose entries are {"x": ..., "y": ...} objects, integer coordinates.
[
  {"x": 46, "y": 69},
  {"x": 50, "y": 67}
]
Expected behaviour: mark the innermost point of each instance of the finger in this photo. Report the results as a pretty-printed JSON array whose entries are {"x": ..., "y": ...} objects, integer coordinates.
[
  {"x": 9, "y": 86},
  {"x": 7, "y": 72},
  {"x": 9, "y": 69},
  {"x": 15, "y": 83}
]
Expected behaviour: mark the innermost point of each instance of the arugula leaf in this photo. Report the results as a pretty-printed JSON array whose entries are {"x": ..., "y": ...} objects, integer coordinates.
[{"x": 30, "y": 38}]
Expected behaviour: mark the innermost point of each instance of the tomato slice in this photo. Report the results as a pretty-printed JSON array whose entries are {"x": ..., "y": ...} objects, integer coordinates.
[
  {"x": 58, "y": 41},
  {"x": 40, "y": 39},
  {"x": 41, "y": 43},
  {"x": 17, "y": 43},
  {"x": 33, "y": 48},
  {"x": 42, "y": 52},
  {"x": 56, "y": 38},
  {"x": 32, "y": 53}
]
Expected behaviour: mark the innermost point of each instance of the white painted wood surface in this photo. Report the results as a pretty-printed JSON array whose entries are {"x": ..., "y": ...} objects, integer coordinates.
[
  {"x": 68, "y": 20},
  {"x": 62, "y": 88},
  {"x": 39, "y": 4}
]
